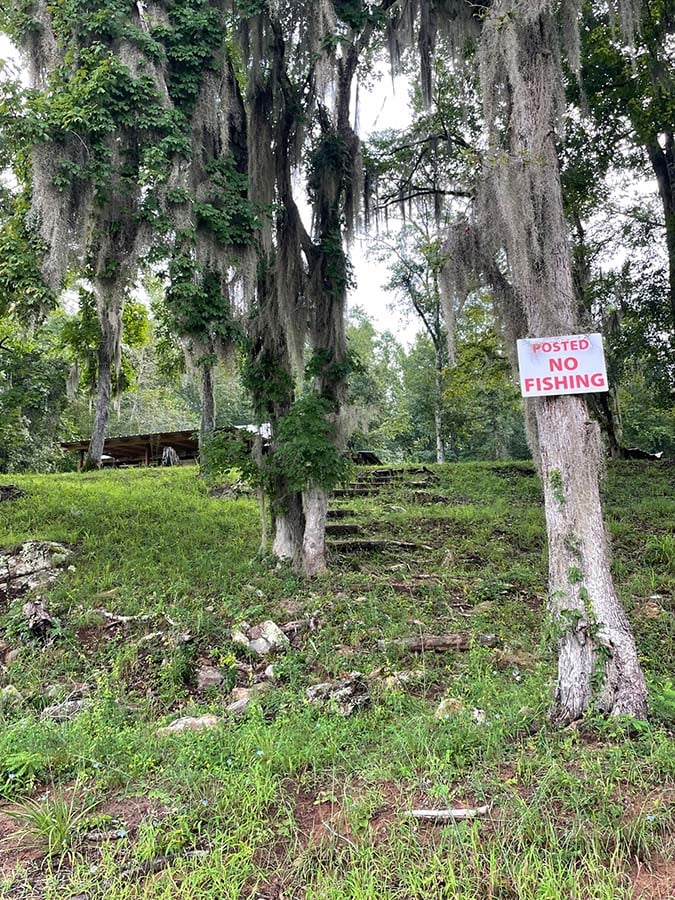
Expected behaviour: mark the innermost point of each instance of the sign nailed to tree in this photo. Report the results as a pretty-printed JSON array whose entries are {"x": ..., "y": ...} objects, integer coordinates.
[{"x": 573, "y": 364}]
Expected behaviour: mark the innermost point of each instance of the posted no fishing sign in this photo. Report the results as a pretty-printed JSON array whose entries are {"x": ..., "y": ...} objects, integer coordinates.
[{"x": 572, "y": 364}]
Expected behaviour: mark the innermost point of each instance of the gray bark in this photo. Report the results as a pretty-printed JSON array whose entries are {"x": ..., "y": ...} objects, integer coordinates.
[
  {"x": 597, "y": 655},
  {"x": 102, "y": 414},
  {"x": 109, "y": 307},
  {"x": 208, "y": 402},
  {"x": 289, "y": 527},
  {"x": 438, "y": 414},
  {"x": 315, "y": 507}
]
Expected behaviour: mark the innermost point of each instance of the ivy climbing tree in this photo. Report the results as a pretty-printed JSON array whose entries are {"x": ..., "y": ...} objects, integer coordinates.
[
  {"x": 137, "y": 138},
  {"x": 95, "y": 117},
  {"x": 208, "y": 221},
  {"x": 301, "y": 72}
]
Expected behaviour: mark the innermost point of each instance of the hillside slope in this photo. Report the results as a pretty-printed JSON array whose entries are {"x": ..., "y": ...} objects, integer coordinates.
[{"x": 290, "y": 795}]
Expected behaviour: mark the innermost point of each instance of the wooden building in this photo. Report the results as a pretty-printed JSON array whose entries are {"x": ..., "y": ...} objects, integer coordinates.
[{"x": 142, "y": 449}]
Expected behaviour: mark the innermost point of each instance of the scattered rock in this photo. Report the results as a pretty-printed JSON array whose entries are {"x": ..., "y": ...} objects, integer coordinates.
[
  {"x": 63, "y": 712},
  {"x": 189, "y": 723},
  {"x": 12, "y": 656},
  {"x": 348, "y": 694},
  {"x": 449, "y": 707},
  {"x": 209, "y": 677},
  {"x": 10, "y": 696},
  {"x": 239, "y": 707},
  {"x": 267, "y": 637},
  {"x": 269, "y": 673},
  {"x": 70, "y": 691},
  {"x": 262, "y": 639},
  {"x": 31, "y": 566},
  {"x": 651, "y": 610},
  {"x": 39, "y": 619},
  {"x": 517, "y": 659},
  {"x": 478, "y": 715},
  {"x": 11, "y": 492},
  {"x": 238, "y": 637},
  {"x": 243, "y": 697},
  {"x": 400, "y": 679},
  {"x": 295, "y": 630}
]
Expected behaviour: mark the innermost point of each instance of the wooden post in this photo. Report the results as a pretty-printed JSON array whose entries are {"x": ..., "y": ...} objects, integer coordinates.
[{"x": 80, "y": 461}]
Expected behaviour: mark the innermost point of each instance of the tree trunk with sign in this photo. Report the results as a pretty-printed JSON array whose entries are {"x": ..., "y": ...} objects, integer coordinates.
[{"x": 597, "y": 663}]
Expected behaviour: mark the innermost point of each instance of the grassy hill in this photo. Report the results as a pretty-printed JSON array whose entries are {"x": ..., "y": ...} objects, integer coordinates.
[{"x": 288, "y": 799}]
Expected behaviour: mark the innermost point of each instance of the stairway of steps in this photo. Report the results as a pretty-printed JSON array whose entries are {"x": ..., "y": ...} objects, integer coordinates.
[{"x": 345, "y": 536}]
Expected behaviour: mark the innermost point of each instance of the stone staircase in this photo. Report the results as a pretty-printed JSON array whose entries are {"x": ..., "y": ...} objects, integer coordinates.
[{"x": 347, "y": 537}]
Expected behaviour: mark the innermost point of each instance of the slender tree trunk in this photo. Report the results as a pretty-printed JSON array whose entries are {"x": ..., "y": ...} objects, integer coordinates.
[
  {"x": 605, "y": 409},
  {"x": 663, "y": 164},
  {"x": 438, "y": 411},
  {"x": 264, "y": 531},
  {"x": 208, "y": 402},
  {"x": 315, "y": 507},
  {"x": 109, "y": 308},
  {"x": 597, "y": 659},
  {"x": 102, "y": 414}
]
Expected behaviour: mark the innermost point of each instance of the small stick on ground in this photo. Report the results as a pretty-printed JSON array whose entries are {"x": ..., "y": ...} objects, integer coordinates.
[{"x": 448, "y": 815}]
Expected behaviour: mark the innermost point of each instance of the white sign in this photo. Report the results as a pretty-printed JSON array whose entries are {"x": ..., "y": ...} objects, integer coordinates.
[{"x": 573, "y": 364}]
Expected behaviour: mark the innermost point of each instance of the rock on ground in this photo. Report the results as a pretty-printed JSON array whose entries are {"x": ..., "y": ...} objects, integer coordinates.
[
  {"x": 209, "y": 677},
  {"x": 189, "y": 723},
  {"x": 242, "y": 697},
  {"x": 261, "y": 639},
  {"x": 31, "y": 566},
  {"x": 449, "y": 707},
  {"x": 63, "y": 712},
  {"x": 348, "y": 694}
]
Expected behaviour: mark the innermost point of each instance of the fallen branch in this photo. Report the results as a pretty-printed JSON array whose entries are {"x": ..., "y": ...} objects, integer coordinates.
[
  {"x": 454, "y": 640},
  {"x": 448, "y": 815},
  {"x": 114, "y": 619}
]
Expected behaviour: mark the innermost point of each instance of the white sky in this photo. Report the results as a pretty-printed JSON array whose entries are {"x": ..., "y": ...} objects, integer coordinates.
[{"x": 386, "y": 105}]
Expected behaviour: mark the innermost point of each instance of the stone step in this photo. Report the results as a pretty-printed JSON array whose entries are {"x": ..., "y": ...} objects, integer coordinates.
[
  {"x": 341, "y": 513},
  {"x": 365, "y": 545},
  {"x": 336, "y": 529},
  {"x": 346, "y": 493}
]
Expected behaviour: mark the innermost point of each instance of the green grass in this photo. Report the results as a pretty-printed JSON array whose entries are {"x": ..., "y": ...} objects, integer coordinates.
[{"x": 304, "y": 798}]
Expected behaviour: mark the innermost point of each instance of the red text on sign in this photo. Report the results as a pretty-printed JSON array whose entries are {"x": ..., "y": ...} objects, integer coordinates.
[{"x": 565, "y": 382}]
